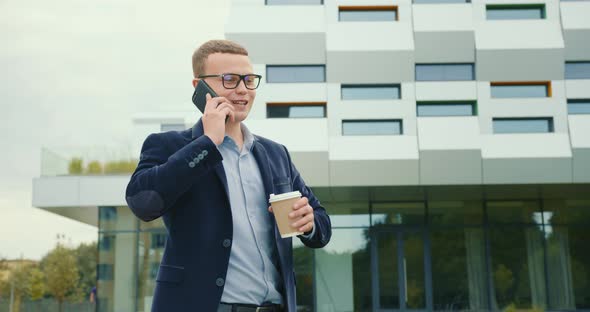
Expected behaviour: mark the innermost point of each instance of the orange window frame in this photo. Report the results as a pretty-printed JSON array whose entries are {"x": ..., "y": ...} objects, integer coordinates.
[
  {"x": 525, "y": 83},
  {"x": 370, "y": 8}
]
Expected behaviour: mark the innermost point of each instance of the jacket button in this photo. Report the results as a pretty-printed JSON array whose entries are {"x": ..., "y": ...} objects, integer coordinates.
[
  {"x": 201, "y": 156},
  {"x": 204, "y": 153},
  {"x": 219, "y": 282},
  {"x": 196, "y": 160},
  {"x": 226, "y": 243},
  {"x": 191, "y": 164}
]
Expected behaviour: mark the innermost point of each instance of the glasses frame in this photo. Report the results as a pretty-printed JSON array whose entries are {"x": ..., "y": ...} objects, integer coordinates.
[{"x": 242, "y": 78}]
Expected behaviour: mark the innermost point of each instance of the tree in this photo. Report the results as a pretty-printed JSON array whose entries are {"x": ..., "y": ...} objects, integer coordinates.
[
  {"x": 36, "y": 286},
  {"x": 61, "y": 272},
  {"x": 86, "y": 257}
]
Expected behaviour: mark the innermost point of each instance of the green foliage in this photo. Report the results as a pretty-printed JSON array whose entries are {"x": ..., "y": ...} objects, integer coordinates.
[
  {"x": 75, "y": 166},
  {"x": 36, "y": 286},
  {"x": 86, "y": 256},
  {"x": 61, "y": 272},
  {"x": 94, "y": 167},
  {"x": 121, "y": 166}
]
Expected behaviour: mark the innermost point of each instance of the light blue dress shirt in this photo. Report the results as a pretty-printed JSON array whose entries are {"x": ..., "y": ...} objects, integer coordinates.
[{"x": 252, "y": 276}]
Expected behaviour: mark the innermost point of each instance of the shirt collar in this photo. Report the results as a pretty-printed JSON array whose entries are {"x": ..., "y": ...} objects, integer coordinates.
[{"x": 248, "y": 138}]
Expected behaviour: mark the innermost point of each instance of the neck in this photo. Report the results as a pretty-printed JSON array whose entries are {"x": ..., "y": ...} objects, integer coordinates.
[{"x": 234, "y": 131}]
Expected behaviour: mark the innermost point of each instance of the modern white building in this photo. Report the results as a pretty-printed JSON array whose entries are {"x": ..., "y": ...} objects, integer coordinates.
[{"x": 449, "y": 141}]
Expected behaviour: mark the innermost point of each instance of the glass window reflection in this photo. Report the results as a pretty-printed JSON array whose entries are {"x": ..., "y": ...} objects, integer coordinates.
[
  {"x": 410, "y": 213},
  {"x": 343, "y": 275}
]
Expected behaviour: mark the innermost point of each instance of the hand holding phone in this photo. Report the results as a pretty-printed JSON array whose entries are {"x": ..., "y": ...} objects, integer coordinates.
[
  {"x": 213, "y": 127},
  {"x": 199, "y": 96}
]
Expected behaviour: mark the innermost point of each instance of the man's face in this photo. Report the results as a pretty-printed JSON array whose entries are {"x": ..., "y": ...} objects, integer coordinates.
[{"x": 225, "y": 63}]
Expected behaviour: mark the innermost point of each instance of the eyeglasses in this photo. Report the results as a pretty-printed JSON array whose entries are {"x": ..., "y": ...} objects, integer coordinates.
[{"x": 231, "y": 81}]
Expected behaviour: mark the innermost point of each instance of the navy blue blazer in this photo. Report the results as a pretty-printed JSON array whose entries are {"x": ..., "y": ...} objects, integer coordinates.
[{"x": 180, "y": 177}]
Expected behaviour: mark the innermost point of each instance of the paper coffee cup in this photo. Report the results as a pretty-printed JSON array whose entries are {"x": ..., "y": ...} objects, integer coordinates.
[{"x": 282, "y": 205}]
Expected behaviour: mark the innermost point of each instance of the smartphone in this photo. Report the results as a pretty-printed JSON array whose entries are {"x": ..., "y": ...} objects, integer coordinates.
[{"x": 199, "y": 96}]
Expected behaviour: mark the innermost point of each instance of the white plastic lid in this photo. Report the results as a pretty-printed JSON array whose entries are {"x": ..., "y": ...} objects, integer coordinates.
[{"x": 274, "y": 198}]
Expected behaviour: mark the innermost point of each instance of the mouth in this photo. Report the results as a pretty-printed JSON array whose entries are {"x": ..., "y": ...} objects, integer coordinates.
[{"x": 240, "y": 102}]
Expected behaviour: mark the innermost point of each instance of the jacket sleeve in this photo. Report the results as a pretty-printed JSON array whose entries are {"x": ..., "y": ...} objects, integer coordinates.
[
  {"x": 163, "y": 175},
  {"x": 322, "y": 226}
]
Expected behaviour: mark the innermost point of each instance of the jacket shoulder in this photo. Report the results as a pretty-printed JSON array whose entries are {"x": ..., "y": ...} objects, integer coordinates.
[{"x": 268, "y": 143}]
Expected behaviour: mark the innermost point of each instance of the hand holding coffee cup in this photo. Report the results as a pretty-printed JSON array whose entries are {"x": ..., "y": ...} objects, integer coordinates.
[{"x": 293, "y": 213}]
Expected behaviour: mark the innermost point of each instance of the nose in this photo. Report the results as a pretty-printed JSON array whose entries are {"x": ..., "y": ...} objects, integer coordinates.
[{"x": 241, "y": 88}]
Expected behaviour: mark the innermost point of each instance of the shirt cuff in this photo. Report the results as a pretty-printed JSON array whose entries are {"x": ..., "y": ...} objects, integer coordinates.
[{"x": 310, "y": 235}]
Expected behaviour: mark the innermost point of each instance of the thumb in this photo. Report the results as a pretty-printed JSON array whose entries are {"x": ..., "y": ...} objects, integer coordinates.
[{"x": 270, "y": 209}]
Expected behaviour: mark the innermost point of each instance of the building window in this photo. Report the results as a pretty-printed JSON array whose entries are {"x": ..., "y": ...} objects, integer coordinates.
[
  {"x": 107, "y": 213},
  {"x": 295, "y": 73},
  {"x": 172, "y": 127},
  {"x": 293, "y": 2},
  {"x": 372, "y": 127},
  {"x": 578, "y": 106},
  {"x": 158, "y": 240},
  {"x": 520, "y": 89},
  {"x": 371, "y": 92},
  {"x": 454, "y": 108},
  {"x": 296, "y": 110},
  {"x": 445, "y": 72},
  {"x": 515, "y": 12},
  {"x": 577, "y": 70},
  {"x": 104, "y": 272},
  {"x": 106, "y": 242},
  {"x": 523, "y": 125},
  {"x": 378, "y": 13}
]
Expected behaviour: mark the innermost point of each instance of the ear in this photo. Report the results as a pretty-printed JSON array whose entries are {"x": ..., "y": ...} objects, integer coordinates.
[{"x": 195, "y": 81}]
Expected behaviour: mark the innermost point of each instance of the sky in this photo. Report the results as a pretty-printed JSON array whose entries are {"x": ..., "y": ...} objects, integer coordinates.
[{"x": 72, "y": 75}]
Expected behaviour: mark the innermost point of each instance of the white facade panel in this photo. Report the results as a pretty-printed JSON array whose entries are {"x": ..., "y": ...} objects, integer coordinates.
[
  {"x": 448, "y": 133},
  {"x": 353, "y": 56},
  {"x": 576, "y": 30},
  {"x": 446, "y": 90},
  {"x": 526, "y": 145},
  {"x": 519, "y": 49},
  {"x": 445, "y": 167},
  {"x": 577, "y": 89},
  {"x": 454, "y": 42},
  {"x": 531, "y": 170},
  {"x": 579, "y": 128},
  {"x": 581, "y": 165},
  {"x": 76, "y": 191}
]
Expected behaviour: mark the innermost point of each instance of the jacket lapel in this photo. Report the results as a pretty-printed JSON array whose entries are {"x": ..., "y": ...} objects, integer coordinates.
[
  {"x": 197, "y": 132},
  {"x": 263, "y": 162},
  {"x": 264, "y": 165}
]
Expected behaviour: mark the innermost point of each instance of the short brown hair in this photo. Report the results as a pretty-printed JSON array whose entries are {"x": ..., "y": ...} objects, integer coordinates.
[{"x": 214, "y": 46}]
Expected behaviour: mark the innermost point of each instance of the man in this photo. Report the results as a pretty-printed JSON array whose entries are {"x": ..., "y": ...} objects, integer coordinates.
[{"x": 211, "y": 184}]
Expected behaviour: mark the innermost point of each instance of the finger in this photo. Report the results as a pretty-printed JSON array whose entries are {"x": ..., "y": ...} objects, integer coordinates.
[
  {"x": 302, "y": 222},
  {"x": 306, "y": 228},
  {"x": 300, "y": 212},
  {"x": 223, "y": 105},
  {"x": 300, "y": 203},
  {"x": 270, "y": 209},
  {"x": 213, "y": 103}
]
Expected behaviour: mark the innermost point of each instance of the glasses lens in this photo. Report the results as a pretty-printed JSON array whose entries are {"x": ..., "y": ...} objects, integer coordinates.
[
  {"x": 251, "y": 81},
  {"x": 231, "y": 80}
]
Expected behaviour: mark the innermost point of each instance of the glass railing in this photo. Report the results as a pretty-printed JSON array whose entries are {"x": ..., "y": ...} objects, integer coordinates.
[{"x": 87, "y": 161}]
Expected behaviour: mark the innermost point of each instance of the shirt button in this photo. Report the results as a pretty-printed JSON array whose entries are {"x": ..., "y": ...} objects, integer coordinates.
[
  {"x": 219, "y": 282},
  {"x": 226, "y": 243}
]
